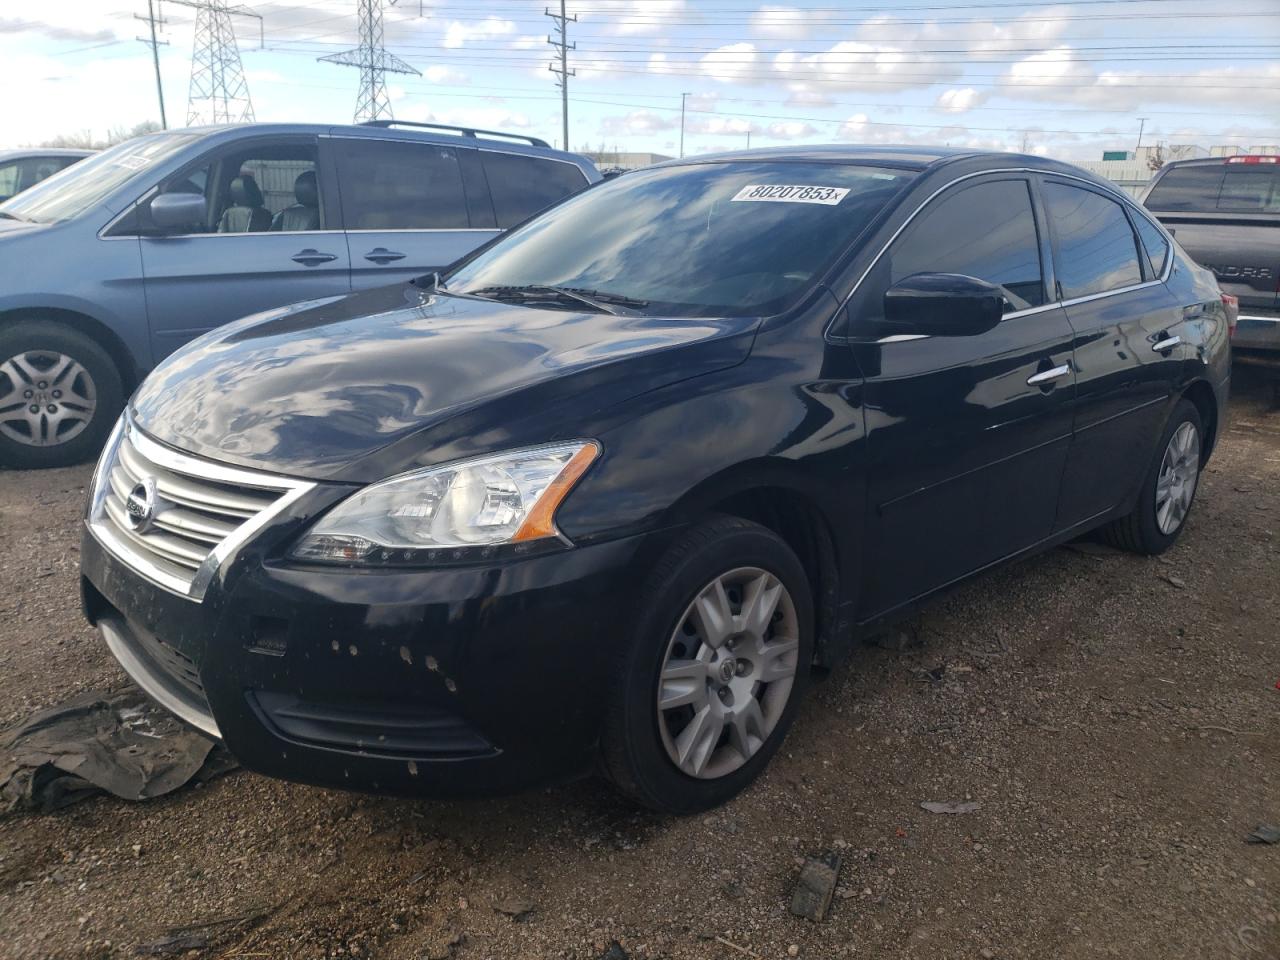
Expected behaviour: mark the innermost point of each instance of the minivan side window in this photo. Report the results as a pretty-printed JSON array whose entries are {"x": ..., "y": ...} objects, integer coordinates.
[
  {"x": 1096, "y": 248},
  {"x": 1187, "y": 188},
  {"x": 393, "y": 185},
  {"x": 521, "y": 186},
  {"x": 1153, "y": 241},
  {"x": 986, "y": 231}
]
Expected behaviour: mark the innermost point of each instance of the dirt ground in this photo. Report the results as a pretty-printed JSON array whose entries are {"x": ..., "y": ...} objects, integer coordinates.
[{"x": 1116, "y": 718}]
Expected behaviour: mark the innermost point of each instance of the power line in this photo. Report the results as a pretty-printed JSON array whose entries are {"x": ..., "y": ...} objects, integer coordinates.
[
  {"x": 155, "y": 44},
  {"x": 562, "y": 72},
  {"x": 372, "y": 102}
]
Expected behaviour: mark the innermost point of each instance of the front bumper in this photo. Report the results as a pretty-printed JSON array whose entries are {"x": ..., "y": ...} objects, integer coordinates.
[{"x": 451, "y": 681}]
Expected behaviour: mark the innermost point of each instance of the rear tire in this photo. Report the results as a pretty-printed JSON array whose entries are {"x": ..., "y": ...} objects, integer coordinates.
[
  {"x": 1168, "y": 488},
  {"x": 60, "y": 393},
  {"x": 728, "y": 685}
]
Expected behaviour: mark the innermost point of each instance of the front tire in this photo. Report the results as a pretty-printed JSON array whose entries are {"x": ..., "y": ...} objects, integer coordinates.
[
  {"x": 1168, "y": 488},
  {"x": 714, "y": 670},
  {"x": 60, "y": 393}
]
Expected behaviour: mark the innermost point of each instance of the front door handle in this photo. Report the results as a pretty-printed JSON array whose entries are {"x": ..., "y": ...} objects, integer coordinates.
[
  {"x": 383, "y": 255},
  {"x": 1168, "y": 343},
  {"x": 312, "y": 258},
  {"x": 1048, "y": 376}
]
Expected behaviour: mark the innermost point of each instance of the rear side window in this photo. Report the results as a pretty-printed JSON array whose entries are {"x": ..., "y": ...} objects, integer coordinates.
[
  {"x": 1250, "y": 188},
  {"x": 389, "y": 185},
  {"x": 1188, "y": 188},
  {"x": 1154, "y": 243},
  {"x": 986, "y": 231},
  {"x": 1096, "y": 248},
  {"x": 521, "y": 186}
]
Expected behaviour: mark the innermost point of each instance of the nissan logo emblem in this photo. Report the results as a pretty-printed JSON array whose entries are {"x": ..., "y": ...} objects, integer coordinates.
[{"x": 140, "y": 505}]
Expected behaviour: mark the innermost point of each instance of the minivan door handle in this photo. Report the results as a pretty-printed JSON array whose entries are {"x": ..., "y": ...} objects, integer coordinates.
[
  {"x": 1048, "y": 376},
  {"x": 312, "y": 258},
  {"x": 383, "y": 255},
  {"x": 1168, "y": 343}
]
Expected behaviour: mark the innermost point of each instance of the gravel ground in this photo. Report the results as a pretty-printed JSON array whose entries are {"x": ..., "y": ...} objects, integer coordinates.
[{"x": 1116, "y": 718}]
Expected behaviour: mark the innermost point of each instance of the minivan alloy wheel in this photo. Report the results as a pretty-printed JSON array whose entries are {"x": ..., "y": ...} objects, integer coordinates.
[
  {"x": 1179, "y": 473},
  {"x": 728, "y": 672},
  {"x": 48, "y": 398}
]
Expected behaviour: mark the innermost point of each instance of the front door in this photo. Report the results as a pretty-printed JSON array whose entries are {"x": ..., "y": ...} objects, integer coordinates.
[
  {"x": 269, "y": 238},
  {"x": 967, "y": 435},
  {"x": 410, "y": 207},
  {"x": 1128, "y": 345}
]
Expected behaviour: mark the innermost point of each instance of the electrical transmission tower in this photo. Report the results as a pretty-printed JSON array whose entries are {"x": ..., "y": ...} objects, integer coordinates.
[
  {"x": 218, "y": 93},
  {"x": 562, "y": 71},
  {"x": 374, "y": 62}
]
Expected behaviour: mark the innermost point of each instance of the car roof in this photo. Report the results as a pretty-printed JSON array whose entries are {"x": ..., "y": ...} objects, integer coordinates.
[
  {"x": 518, "y": 142},
  {"x": 19, "y": 153}
]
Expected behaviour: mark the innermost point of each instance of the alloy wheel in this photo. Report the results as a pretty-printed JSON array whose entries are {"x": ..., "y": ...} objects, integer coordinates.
[
  {"x": 1179, "y": 474},
  {"x": 46, "y": 398},
  {"x": 728, "y": 672}
]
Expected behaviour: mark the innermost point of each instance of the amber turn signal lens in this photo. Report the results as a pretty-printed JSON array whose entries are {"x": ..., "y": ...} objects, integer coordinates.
[{"x": 541, "y": 519}]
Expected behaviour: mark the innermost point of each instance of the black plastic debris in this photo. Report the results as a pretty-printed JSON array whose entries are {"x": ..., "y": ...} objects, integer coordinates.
[
  {"x": 816, "y": 886},
  {"x": 115, "y": 742},
  {"x": 1264, "y": 833}
]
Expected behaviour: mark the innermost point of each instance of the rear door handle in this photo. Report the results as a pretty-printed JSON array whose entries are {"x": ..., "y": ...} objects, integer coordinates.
[
  {"x": 1048, "y": 376},
  {"x": 1168, "y": 343},
  {"x": 312, "y": 258},
  {"x": 383, "y": 255}
]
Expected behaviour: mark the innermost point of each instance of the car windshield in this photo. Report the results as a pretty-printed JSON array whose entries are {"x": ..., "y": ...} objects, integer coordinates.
[
  {"x": 703, "y": 239},
  {"x": 87, "y": 183}
]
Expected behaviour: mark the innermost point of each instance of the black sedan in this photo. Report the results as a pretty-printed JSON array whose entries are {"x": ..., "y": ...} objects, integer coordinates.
[{"x": 602, "y": 495}]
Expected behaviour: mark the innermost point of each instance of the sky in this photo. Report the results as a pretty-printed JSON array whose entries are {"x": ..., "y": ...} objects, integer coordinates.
[{"x": 1068, "y": 79}]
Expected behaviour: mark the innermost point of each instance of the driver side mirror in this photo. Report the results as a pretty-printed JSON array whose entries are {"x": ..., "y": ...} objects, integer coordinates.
[
  {"x": 178, "y": 211},
  {"x": 942, "y": 305}
]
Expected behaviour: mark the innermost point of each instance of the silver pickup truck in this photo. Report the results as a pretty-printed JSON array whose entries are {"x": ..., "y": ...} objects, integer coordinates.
[{"x": 1225, "y": 212}]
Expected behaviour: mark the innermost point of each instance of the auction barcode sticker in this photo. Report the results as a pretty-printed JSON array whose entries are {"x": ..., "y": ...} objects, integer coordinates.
[{"x": 790, "y": 193}]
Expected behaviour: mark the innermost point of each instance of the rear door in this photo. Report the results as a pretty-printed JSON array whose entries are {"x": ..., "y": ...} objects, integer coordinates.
[
  {"x": 206, "y": 276},
  {"x": 410, "y": 207},
  {"x": 1128, "y": 348},
  {"x": 1226, "y": 215}
]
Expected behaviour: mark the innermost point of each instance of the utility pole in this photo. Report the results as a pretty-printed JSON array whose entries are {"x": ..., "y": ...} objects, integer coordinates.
[
  {"x": 562, "y": 72},
  {"x": 683, "y": 96},
  {"x": 218, "y": 92},
  {"x": 374, "y": 62},
  {"x": 1142, "y": 123},
  {"x": 155, "y": 44}
]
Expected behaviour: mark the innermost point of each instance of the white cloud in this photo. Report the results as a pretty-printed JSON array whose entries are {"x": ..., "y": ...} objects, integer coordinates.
[
  {"x": 851, "y": 64},
  {"x": 791, "y": 130},
  {"x": 720, "y": 126},
  {"x": 734, "y": 63},
  {"x": 961, "y": 100},
  {"x": 782, "y": 23},
  {"x": 437, "y": 73},
  {"x": 638, "y": 122},
  {"x": 458, "y": 34},
  {"x": 625, "y": 17}
]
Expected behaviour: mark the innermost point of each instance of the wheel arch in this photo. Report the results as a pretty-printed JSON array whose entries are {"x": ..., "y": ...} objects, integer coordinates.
[
  {"x": 776, "y": 495},
  {"x": 1202, "y": 397},
  {"x": 91, "y": 327}
]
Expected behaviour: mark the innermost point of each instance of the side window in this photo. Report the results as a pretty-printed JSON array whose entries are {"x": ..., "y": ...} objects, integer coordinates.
[
  {"x": 393, "y": 185},
  {"x": 522, "y": 186},
  {"x": 1154, "y": 243},
  {"x": 1250, "y": 188},
  {"x": 1187, "y": 188},
  {"x": 1096, "y": 248},
  {"x": 986, "y": 231},
  {"x": 9, "y": 179}
]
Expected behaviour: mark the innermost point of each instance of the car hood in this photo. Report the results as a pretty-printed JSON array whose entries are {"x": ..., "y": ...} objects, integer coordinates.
[{"x": 353, "y": 388}]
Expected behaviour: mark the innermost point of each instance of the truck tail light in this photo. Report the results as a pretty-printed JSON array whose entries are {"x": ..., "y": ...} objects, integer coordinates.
[
  {"x": 1232, "y": 306},
  {"x": 1253, "y": 158}
]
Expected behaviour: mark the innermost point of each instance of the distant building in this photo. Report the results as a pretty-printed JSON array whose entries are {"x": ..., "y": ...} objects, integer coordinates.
[{"x": 605, "y": 159}]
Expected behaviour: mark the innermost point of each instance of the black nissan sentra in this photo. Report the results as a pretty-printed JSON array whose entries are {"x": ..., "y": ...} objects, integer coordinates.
[{"x": 600, "y": 497}]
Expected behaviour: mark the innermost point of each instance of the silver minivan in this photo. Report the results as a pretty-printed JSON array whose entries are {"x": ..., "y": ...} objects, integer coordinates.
[{"x": 109, "y": 266}]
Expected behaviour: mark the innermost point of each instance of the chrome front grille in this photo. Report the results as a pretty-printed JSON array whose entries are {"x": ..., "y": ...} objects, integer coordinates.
[{"x": 175, "y": 518}]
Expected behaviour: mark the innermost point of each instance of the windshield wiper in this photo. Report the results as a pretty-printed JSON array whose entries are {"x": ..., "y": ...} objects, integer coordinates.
[{"x": 602, "y": 303}]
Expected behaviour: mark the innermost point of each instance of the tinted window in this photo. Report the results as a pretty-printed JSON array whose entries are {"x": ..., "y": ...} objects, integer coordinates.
[
  {"x": 10, "y": 177},
  {"x": 388, "y": 185},
  {"x": 521, "y": 186},
  {"x": 1187, "y": 188},
  {"x": 1250, "y": 188},
  {"x": 1153, "y": 241},
  {"x": 1096, "y": 248},
  {"x": 704, "y": 239},
  {"x": 986, "y": 231}
]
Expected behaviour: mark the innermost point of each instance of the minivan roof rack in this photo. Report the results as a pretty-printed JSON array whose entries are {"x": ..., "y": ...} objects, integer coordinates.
[{"x": 465, "y": 131}]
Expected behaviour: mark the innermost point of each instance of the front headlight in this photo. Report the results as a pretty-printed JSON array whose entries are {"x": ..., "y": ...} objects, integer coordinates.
[{"x": 458, "y": 511}]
